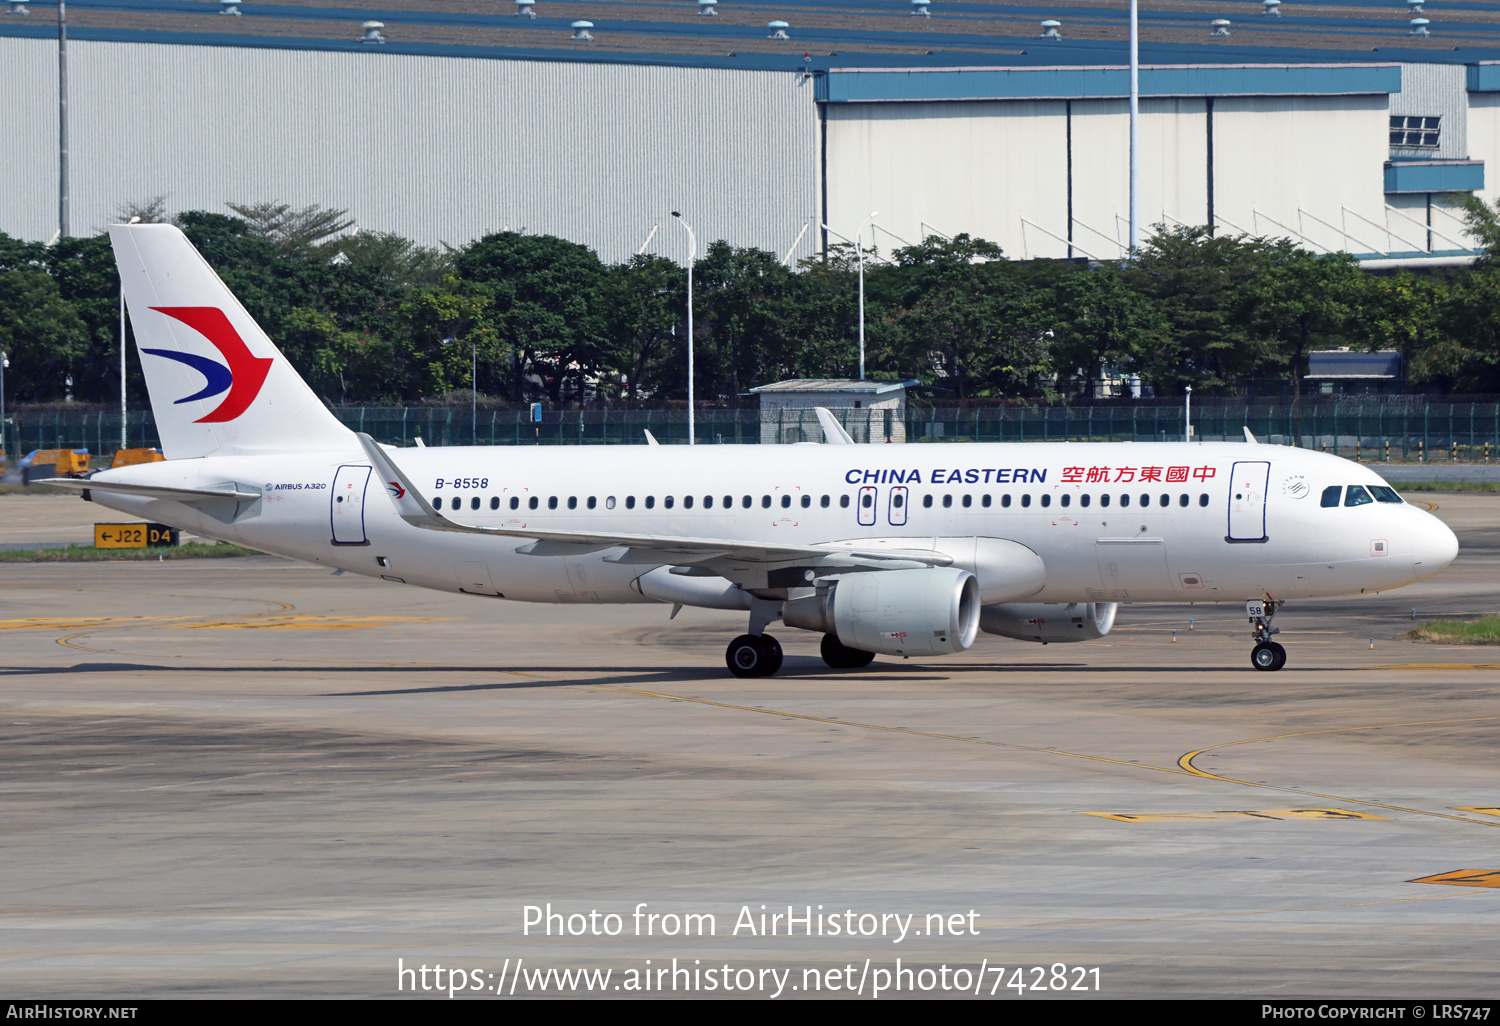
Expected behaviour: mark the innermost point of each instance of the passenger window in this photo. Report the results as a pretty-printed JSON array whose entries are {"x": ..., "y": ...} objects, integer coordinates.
[
  {"x": 806, "y": 501},
  {"x": 843, "y": 502},
  {"x": 985, "y": 501},
  {"x": 551, "y": 502},
  {"x": 765, "y": 502},
  {"x": 650, "y": 502},
  {"x": 745, "y": 502},
  {"x": 1331, "y": 496},
  {"x": 474, "y": 502},
  {"x": 495, "y": 502},
  {"x": 437, "y": 502},
  {"x": 1166, "y": 500},
  {"x": 708, "y": 502},
  {"x": 629, "y": 502},
  {"x": 1145, "y": 500},
  {"x": 1182, "y": 500},
  {"x": 1203, "y": 499},
  {"x": 1124, "y": 500},
  {"x": 823, "y": 502},
  {"x": 1025, "y": 500},
  {"x": 1046, "y": 500},
  {"x": 867, "y": 500},
  {"x": 531, "y": 503},
  {"x": 926, "y": 502},
  {"x": 1066, "y": 500},
  {"x": 968, "y": 501},
  {"x": 947, "y": 501},
  {"x": 898, "y": 500},
  {"x": 1356, "y": 496},
  {"x": 1384, "y": 493},
  {"x": 786, "y": 502},
  {"x": 1005, "y": 500},
  {"x": 687, "y": 502},
  {"x": 609, "y": 503},
  {"x": 592, "y": 502},
  {"x": 515, "y": 502},
  {"x": 1083, "y": 500},
  {"x": 1104, "y": 499},
  {"x": 729, "y": 502},
  {"x": 667, "y": 502}
]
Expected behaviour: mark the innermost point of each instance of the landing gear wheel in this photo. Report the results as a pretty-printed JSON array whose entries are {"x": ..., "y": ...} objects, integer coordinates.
[
  {"x": 772, "y": 649},
  {"x": 839, "y": 656},
  {"x": 751, "y": 656},
  {"x": 1266, "y": 656}
]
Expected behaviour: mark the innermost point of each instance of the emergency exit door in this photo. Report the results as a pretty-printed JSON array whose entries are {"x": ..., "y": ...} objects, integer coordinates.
[
  {"x": 347, "y": 505},
  {"x": 1247, "y": 501}
]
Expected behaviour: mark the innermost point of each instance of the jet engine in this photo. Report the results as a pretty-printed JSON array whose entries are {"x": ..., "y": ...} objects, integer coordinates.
[
  {"x": 1049, "y": 622},
  {"x": 897, "y": 612}
]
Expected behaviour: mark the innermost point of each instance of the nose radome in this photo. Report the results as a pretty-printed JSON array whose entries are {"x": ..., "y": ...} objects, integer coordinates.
[{"x": 1434, "y": 547}]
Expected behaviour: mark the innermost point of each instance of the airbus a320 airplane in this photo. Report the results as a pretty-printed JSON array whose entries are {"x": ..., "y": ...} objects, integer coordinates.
[{"x": 902, "y": 550}]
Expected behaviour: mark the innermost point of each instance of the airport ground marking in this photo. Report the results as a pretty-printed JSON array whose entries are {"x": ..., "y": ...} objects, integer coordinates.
[
  {"x": 901, "y": 730},
  {"x": 1463, "y": 878},
  {"x": 1436, "y": 666},
  {"x": 1326, "y": 815},
  {"x": 307, "y": 622},
  {"x": 1483, "y": 810},
  {"x": 1185, "y": 763}
]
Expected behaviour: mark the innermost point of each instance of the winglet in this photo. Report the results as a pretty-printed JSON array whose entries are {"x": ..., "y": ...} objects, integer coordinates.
[
  {"x": 410, "y": 504},
  {"x": 833, "y": 431},
  {"x": 650, "y": 438},
  {"x": 1249, "y": 437}
]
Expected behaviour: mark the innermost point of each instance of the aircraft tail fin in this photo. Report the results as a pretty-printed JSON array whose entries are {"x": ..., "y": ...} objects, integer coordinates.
[{"x": 218, "y": 385}]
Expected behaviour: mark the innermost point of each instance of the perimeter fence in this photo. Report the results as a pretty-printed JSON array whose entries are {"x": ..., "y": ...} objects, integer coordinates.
[{"x": 1393, "y": 428}]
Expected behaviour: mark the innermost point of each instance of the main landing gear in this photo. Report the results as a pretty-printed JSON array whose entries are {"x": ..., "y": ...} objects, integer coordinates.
[
  {"x": 752, "y": 655},
  {"x": 1267, "y": 654}
]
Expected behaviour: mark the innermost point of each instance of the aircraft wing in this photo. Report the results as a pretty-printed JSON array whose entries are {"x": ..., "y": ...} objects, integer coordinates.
[
  {"x": 226, "y": 493},
  {"x": 414, "y": 508}
]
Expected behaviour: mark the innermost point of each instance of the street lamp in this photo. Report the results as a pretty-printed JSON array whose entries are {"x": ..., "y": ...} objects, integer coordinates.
[
  {"x": 4, "y": 443},
  {"x": 692, "y": 255},
  {"x": 473, "y": 389},
  {"x": 123, "y": 441},
  {"x": 859, "y": 244},
  {"x": 1135, "y": 115},
  {"x": 1187, "y": 416}
]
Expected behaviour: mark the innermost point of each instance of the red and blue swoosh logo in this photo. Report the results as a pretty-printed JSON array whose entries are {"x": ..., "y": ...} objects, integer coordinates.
[{"x": 241, "y": 375}]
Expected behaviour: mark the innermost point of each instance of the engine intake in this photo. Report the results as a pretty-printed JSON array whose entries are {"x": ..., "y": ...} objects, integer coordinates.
[
  {"x": 896, "y": 612},
  {"x": 1049, "y": 622}
]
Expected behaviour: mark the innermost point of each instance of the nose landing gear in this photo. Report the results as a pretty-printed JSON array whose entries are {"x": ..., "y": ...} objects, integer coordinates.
[{"x": 1267, "y": 654}]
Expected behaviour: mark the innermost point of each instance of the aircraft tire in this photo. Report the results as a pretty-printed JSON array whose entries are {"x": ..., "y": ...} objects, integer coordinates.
[
  {"x": 772, "y": 649},
  {"x": 1280, "y": 655},
  {"x": 748, "y": 656},
  {"x": 1263, "y": 656},
  {"x": 841, "y": 657}
]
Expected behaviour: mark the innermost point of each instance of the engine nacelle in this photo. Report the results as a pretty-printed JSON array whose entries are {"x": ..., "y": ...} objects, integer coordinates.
[
  {"x": 1049, "y": 622},
  {"x": 897, "y": 612}
]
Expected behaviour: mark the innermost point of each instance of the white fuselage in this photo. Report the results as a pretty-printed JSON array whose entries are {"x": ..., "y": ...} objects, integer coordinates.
[{"x": 1123, "y": 522}]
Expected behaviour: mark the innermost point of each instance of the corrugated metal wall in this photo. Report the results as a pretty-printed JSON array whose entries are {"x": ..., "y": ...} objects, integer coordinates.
[
  {"x": 1435, "y": 89},
  {"x": 434, "y": 148}
]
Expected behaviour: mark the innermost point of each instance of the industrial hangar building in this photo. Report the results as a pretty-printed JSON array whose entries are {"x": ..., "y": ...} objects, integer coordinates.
[{"x": 1343, "y": 125}]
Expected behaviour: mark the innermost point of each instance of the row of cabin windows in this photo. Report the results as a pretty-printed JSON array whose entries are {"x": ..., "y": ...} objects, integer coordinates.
[
  {"x": 867, "y": 500},
  {"x": 1066, "y": 499},
  {"x": 1356, "y": 495}
]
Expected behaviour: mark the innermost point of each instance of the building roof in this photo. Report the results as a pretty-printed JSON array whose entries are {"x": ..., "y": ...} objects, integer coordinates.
[
  {"x": 830, "y": 33},
  {"x": 1340, "y": 364},
  {"x": 843, "y": 385}
]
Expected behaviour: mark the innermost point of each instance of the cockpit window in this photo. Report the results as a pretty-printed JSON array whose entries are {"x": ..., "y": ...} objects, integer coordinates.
[
  {"x": 1357, "y": 496},
  {"x": 1385, "y": 493},
  {"x": 1331, "y": 495}
]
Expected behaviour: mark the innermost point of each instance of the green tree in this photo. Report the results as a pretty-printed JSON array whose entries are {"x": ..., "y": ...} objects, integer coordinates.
[
  {"x": 294, "y": 231},
  {"x": 1303, "y": 301},
  {"x": 40, "y": 332},
  {"x": 644, "y": 302},
  {"x": 1099, "y": 323},
  {"x": 739, "y": 321}
]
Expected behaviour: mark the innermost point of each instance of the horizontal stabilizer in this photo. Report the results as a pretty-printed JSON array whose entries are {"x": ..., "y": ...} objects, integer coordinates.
[{"x": 191, "y": 496}]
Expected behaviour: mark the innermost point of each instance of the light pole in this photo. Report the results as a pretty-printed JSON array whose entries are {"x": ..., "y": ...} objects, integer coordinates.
[
  {"x": 123, "y": 438},
  {"x": 4, "y": 442},
  {"x": 1135, "y": 111},
  {"x": 692, "y": 256},
  {"x": 1187, "y": 416},
  {"x": 859, "y": 244},
  {"x": 473, "y": 388}
]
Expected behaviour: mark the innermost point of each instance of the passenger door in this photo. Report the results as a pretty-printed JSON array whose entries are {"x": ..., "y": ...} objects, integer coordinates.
[
  {"x": 866, "y": 509},
  {"x": 1247, "y": 501},
  {"x": 347, "y": 505}
]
